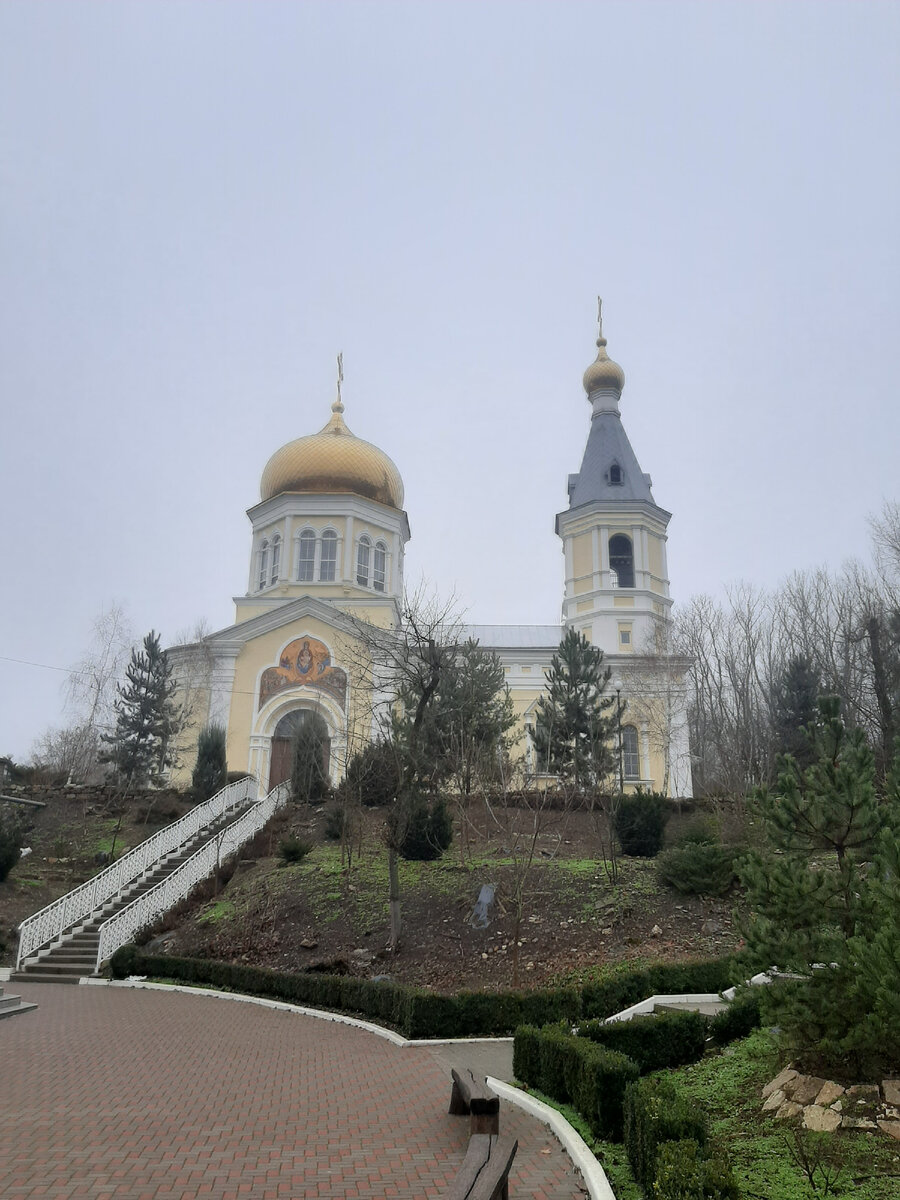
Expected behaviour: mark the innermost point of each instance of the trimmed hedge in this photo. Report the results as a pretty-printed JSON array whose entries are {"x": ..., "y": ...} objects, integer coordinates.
[
  {"x": 417, "y": 1013},
  {"x": 575, "y": 1071},
  {"x": 621, "y": 991},
  {"x": 659, "y": 1042},
  {"x": 739, "y": 1019},
  {"x": 654, "y": 1112},
  {"x": 683, "y": 1174}
]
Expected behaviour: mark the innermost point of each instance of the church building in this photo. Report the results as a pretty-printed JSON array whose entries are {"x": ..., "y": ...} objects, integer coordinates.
[{"x": 328, "y": 540}]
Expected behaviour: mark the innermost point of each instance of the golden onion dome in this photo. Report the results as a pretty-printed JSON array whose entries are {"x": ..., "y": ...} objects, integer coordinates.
[
  {"x": 603, "y": 372},
  {"x": 333, "y": 460}
]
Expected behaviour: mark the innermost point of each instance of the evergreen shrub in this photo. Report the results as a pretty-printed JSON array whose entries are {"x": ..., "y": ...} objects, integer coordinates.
[
  {"x": 335, "y": 819},
  {"x": 655, "y": 1043},
  {"x": 211, "y": 769},
  {"x": 293, "y": 849},
  {"x": 682, "y": 1173},
  {"x": 699, "y": 868},
  {"x": 655, "y": 1112},
  {"x": 372, "y": 777},
  {"x": 10, "y": 846},
  {"x": 424, "y": 829},
  {"x": 640, "y": 823},
  {"x": 610, "y": 996},
  {"x": 576, "y": 1071},
  {"x": 739, "y": 1019}
]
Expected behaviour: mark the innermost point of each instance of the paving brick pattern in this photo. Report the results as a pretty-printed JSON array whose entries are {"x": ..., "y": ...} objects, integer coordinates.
[{"x": 143, "y": 1095}]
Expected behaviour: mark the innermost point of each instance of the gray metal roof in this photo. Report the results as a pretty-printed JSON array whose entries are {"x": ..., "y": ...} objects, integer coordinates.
[
  {"x": 525, "y": 637},
  {"x": 608, "y": 444}
]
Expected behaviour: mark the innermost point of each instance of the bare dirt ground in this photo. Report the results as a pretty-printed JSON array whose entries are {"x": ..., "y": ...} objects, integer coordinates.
[
  {"x": 319, "y": 914},
  {"x": 324, "y": 914}
]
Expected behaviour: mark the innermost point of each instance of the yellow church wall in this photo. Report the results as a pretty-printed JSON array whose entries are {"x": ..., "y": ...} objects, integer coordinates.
[
  {"x": 654, "y": 547},
  {"x": 582, "y": 555}
]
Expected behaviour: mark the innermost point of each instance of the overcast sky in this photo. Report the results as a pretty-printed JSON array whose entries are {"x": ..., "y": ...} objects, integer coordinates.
[{"x": 201, "y": 204}]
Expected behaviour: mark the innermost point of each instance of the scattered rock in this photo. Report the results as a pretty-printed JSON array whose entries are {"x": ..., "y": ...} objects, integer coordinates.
[
  {"x": 789, "y": 1109},
  {"x": 775, "y": 1100},
  {"x": 857, "y": 1123},
  {"x": 656, "y": 932},
  {"x": 309, "y": 944},
  {"x": 804, "y": 1088},
  {"x": 829, "y": 1093},
  {"x": 891, "y": 1089},
  {"x": 891, "y": 1128},
  {"x": 779, "y": 1081},
  {"x": 822, "y": 1119},
  {"x": 710, "y": 927},
  {"x": 864, "y": 1093}
]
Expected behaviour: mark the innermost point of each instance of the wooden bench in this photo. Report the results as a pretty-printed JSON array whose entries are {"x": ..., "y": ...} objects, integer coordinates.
[
  {"x": 472, "y": 1097},
  {"x": 484, "y": 1174}
]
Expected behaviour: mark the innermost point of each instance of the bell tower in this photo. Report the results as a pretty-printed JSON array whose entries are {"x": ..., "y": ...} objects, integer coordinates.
[{"x": 613, "y": 532}]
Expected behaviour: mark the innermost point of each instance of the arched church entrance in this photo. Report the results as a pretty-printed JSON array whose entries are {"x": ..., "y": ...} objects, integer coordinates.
[{"x": 283, "y": 743}]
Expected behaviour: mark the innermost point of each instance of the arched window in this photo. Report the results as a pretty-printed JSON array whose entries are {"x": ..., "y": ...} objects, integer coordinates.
[
  {"x": 363, "y": 552},
  {"x": 328, "y": 560},
  {"x": 306, "y": 566},
  {"x": 276, "y": 558},
  {"x": 631, "y": 758},
  {"x": 263, "y": 574},
  {"x": 621, "y": 561},
  {"x": 379, "y": 566},
  {"x": 615, "y": 474}
]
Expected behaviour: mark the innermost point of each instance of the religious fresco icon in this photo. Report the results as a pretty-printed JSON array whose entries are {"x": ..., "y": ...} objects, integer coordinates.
[{"x": 305, "y": 662}]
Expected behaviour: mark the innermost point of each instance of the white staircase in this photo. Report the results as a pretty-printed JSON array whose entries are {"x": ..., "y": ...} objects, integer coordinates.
[{"x": 75, "y": 935}]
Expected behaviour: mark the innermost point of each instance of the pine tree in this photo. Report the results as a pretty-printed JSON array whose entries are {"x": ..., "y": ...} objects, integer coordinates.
[
  {"x": 211, "y": 770},
  {"x": 796, "y": 709},
  {"x": 141, "y": 747},
  {"x": 309, "y": 778},
  {"x": 818, "y": 904},
  {"x": 572, "y": 731}
]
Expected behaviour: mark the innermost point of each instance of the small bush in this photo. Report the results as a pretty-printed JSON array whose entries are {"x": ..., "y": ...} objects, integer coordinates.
[
  {"x": 701, "y": 831},
  {"x": 423, "y": 830},
  {"x": 699, "y": 869},
  {"x": 10, "y": 846},
  {"x": 293, "y": 849},
  {"x": 640, "y": 823},
  {"x": 655, "y": 1042},
  {"x": 682, "y": 1173},
  {"x": 739, "y": 1019},
  {"x": 655, "y": 1112},
  {"x": 335, "y": 819},
  {"x": 373, "y": 776}
]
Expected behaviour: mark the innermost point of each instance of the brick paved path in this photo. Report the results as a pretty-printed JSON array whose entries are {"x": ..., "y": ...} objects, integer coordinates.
[{"x": 147, "y": 1095}]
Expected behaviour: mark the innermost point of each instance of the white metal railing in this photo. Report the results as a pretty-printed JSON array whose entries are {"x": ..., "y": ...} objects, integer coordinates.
[
  {"x": 50, "y": 922},
  {"x": 120, "y": 928}
]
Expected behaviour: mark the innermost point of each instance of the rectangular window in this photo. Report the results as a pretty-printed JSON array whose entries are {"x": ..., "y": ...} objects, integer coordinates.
[
  {"x": 362, "y": 564},
  {"x": 276, "y": 560},
  {"x": 631, "y": 759},
  {"x": 379, "y": 568},
  {"x": 329, "y": 558},
  {"x": 625, "y": 637},
  {"x": 306, "y": 568}
]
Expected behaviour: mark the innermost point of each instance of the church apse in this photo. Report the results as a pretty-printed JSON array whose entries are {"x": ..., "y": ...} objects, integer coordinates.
[{"x": 305, "y": 663}]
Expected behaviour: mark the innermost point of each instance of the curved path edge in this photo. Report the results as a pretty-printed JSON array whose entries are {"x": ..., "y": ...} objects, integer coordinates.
[{"x": 574, "y": 1145}]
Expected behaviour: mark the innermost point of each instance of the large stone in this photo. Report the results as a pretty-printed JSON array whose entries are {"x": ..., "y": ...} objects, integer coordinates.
[
  {"x": 867, "y": 1093},
  {"x": 779, "y": 1081},
  {"x": 891, "y": 1089},
  {"x": 789, "y": 1109},
  {"x": 821, "y": 1119},
  {"x": 857, "y": 1123},
  {"x": 804, "y": 1089},
  {"x": 891, "y": 1128},
  {"x": 829, "y": 1093},
  {"x": 775, "y": 1100}
]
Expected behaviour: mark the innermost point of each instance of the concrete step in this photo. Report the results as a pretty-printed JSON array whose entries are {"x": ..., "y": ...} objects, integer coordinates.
[
  {"x": 37, "y": 976},
  {"x": 11, "y": 1006}
]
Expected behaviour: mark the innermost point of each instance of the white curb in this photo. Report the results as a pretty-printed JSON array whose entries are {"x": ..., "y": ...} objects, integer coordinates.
[{"x": 593, "y": 1174}]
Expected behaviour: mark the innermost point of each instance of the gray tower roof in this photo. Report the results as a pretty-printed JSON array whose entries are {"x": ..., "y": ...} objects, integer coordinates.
[{"x": 608, "y": 447}]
